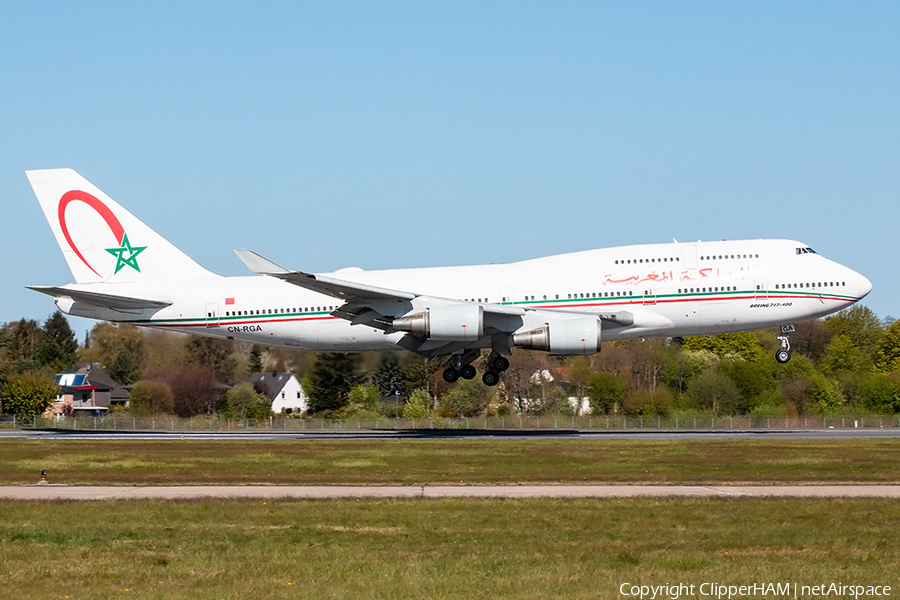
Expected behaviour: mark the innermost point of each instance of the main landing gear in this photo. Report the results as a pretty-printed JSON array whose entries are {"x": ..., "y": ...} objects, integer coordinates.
[
  {"x": 784, "y": 353},
  {"x": 460, "y": 366}
]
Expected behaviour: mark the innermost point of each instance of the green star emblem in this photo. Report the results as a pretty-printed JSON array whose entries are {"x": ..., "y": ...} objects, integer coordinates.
[{"x": 126, "y": 254}]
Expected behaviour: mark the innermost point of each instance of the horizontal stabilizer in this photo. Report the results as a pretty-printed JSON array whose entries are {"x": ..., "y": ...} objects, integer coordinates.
[{"x": 100, "y": 299}]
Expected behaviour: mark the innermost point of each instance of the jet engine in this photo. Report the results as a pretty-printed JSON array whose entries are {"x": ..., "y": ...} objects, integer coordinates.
[
  {"x": 569, "y": 336},
  {"x": 450, "y": 323}
]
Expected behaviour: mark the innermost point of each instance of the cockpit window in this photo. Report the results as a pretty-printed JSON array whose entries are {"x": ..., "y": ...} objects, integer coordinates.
[{"x": 806, "y": 251}]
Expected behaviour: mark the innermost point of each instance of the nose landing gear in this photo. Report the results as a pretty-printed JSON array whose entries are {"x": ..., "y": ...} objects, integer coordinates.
[{"x": 784, "y": 353}]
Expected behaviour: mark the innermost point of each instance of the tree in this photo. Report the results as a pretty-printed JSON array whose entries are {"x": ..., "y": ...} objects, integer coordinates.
[
  {"x": 194, "y": 390},
  {"x": 717, "y": 392},
  {"x": 126, "y": 366},
  {"x": 417, "y": 405},
  {"x": 58, "y": 332},
  {"x": 329, "y": 382},
  {"x": 108, "y": 339},
  {"x": 880, "y": 393},
  {"x": 607, "y": 392},
  {"x": 467, "y": 398},
  {"x": 860, "y": 324},
  {"x": 149, "y": 398},
  {"x": 798, "y": 391},
  {"x": 22, "y": 339},
  {"x": 519, "y": 382},
  {"x": 388, "y": 375},
  {"x": 811, "y": 338},
  {"x": 887, "y": 351},
  {"x": 842, "y": 355},
  {"x": 580, "y": 376},
  {"x": 660, "y": 401},
  {"x": 255, "y": 363},
  {"x": 213, "y": 354},
  {"x": 751, "y": 378},
  {"x": 243, "y": 402},
  {"x": 746, "y": 344},
  {"x": 363, "y": 397},
  {"x": 826, "y": 395},
  {"x": 648, "y": 360},
  {"x": 164, "y": 349},
  {"x": 418, "y": 372},
  {"x": 28, "y": 394}
]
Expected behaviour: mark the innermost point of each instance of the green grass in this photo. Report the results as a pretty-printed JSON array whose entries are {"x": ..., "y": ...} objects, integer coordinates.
[
  {"x": 410, "y": 462},
  {"x": 519, "y": 549}
]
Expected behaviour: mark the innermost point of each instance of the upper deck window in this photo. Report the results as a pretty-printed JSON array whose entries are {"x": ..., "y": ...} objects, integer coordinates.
[{"x": 806, "y": 251}]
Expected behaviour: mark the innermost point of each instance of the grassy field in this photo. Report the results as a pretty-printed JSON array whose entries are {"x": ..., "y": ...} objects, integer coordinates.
[
  {"x": 396, "y": 462},
  {"x": 436, "y": 548}
]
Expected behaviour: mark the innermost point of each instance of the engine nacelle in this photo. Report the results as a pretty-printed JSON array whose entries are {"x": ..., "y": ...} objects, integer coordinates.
[
  {"x": 569, "y": 336},
  {"x": 450, "y": 323}
]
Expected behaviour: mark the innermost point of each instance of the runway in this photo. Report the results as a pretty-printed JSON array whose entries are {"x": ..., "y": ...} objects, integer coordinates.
[
  {"x": 323, "y": 492},
  {"x": 425, "y": 434}
]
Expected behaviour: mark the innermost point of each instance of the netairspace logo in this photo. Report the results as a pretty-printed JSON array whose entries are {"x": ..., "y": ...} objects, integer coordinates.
[{"x": 674, "y": 591}]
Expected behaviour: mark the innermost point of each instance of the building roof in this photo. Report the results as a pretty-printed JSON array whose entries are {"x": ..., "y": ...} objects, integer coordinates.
[
  {"x": 98, "y": 376},
  {"x": 270, "y": 384}
]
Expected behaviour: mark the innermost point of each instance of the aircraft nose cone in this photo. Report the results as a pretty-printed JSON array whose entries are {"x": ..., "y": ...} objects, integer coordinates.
[{"x": 865, "y": 286}]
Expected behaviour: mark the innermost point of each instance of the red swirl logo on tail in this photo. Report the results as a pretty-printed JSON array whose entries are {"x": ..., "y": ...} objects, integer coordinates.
[{"x": 114, "y": 226}]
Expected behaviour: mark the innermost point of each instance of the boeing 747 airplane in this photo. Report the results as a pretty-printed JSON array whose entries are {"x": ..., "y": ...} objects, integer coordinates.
[{"x": 125, "y": 272}]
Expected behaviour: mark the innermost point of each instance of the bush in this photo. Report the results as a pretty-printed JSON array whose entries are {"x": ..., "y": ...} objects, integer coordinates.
[
  {"x": 715, "y": 391},
  {"x": 417, "y": 405},
  {"x": 28, "y": 394},
  {"x": 466, "y": 399},
  {"x": 363, "y": 397},
  {"x": 644, "y": 402},
  {"x": 243, "y": 402},
  {"x": 607, "y": 392},
  {"x": 194, "y": 390},
  {"x": 150, "y": 398}
]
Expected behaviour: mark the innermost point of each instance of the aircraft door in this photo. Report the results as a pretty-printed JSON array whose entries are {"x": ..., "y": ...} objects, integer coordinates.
[
  {"x": 212, "y": 314},
  {"x": 762, "y": 290},
  {"x": 649, "y": 296},
  {"x": 688, "y": 256}
]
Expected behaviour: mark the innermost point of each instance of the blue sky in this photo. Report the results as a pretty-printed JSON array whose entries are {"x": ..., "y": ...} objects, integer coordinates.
[{"x": 394, "y": 134}]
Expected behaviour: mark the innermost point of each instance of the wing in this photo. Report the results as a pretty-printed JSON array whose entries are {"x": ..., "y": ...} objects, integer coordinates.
[
  {"x": 376, "y": 306},
  {"x": 436, "y": 326}
]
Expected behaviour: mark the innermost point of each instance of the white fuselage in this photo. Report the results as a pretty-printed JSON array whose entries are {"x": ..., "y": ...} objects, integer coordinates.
[{"x": 672, "y": 290}]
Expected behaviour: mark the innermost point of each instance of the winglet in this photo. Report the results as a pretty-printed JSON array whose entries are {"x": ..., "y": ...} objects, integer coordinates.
[{"x": 260, "y": 264}]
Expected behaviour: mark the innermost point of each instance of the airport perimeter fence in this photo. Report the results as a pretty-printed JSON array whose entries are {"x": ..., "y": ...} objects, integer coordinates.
[{"x": 504, "y": 423}]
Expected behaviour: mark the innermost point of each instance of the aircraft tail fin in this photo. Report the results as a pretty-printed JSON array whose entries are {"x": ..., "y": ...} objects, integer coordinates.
[{"x": 101, "y": 241}]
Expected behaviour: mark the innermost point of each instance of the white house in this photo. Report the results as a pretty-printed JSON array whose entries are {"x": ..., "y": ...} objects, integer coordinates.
[{"x": 283, "y": 389}]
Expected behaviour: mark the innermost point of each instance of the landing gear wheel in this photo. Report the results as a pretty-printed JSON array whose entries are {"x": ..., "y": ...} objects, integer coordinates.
[
  {"x": 468, "y": 372},
  {"x": 490, "y": 378},
  {"x": 500, "y": 363},
  {"x": 450, "y": 375},
  {"x": 783, "y": 356}
]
